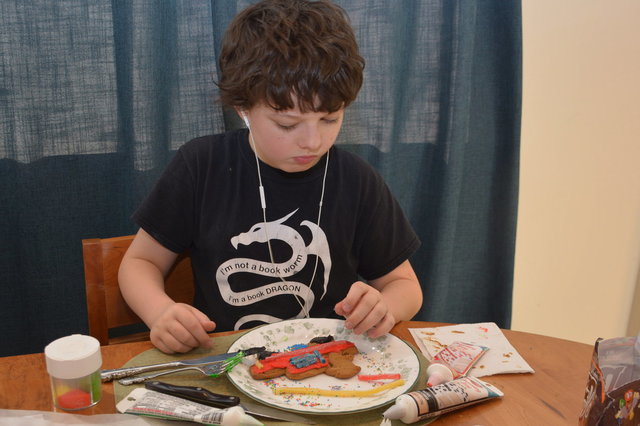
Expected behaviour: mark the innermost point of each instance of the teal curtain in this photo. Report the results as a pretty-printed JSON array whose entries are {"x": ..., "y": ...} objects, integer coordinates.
[{"x": 96, "y": 96}]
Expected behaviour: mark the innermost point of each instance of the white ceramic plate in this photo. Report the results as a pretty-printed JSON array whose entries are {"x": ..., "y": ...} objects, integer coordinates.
[{"x": 384, "y": 355}]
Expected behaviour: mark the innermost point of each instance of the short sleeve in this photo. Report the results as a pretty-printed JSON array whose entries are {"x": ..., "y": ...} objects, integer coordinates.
[
  {"x": 167, "y": 213},
  {"x": 386, "y": 238}
]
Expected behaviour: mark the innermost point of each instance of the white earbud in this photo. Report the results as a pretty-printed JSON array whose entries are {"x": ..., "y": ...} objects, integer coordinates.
[
  {"x": 263, "y": 200},
  {"x": 245, "y": 119}
]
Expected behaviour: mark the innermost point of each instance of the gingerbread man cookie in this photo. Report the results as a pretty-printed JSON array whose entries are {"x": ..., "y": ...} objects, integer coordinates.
[{"x": 322, "y": 355}]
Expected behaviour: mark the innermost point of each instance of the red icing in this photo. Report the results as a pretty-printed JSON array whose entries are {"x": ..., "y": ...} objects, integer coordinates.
[
  {"x": 281, "y": 360},
  {"x": 74, "y": 399}
]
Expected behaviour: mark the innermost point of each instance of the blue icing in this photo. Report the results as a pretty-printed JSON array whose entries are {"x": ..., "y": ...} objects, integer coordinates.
[
  {"x": 306, "y": 360},
  {"x": 296, "y": 347}
]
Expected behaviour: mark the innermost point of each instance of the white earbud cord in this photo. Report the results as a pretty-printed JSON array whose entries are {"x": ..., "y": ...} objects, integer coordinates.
[{"x": 263, "y": 203}]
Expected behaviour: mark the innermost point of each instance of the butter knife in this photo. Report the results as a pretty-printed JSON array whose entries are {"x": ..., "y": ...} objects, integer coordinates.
[
  {"x": 206, "y": 397},
  {"x": 118, "y": 373}
]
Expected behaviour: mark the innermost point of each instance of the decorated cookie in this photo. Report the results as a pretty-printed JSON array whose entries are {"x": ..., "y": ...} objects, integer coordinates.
[{"x": 322, "y": 355}]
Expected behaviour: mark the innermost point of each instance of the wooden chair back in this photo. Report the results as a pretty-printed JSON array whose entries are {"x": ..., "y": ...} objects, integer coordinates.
[{"x": 106, "y": 308}]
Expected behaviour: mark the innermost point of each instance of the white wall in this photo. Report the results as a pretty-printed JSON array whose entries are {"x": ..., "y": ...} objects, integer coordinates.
[{"x": 578, "y": 240}]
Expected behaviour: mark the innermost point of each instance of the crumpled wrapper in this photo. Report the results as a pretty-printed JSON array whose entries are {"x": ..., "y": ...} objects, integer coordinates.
[
  {"x": 612, "y": 394},
  {"x": 501, "y": 358}
]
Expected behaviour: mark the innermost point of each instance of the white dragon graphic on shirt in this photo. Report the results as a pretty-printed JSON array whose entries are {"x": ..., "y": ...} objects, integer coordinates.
[{"x": 276, "y": 230}]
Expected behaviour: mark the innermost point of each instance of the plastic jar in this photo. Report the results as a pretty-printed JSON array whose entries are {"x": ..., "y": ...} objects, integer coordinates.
[{"x": 73, "y": 364}]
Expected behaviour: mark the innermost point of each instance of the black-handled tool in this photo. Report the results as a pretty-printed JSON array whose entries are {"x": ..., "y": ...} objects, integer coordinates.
[
  {"x": 195, "y": 394},
  {"x": 206, "y": 397}
]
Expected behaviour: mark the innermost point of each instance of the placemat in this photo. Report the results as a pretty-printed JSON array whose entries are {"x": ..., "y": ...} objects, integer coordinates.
[{"x": 223, "y": 385}]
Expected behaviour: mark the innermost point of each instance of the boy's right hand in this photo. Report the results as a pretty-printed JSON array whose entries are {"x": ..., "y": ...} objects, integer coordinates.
[{"x": 180, "y": 328}]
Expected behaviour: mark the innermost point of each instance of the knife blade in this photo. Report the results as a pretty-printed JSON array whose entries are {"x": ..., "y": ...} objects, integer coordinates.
[
  {"x": 118, "y": 373},
  {"x": 206, "y": 397}
]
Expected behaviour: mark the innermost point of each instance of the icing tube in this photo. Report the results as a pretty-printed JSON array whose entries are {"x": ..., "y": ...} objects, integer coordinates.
[
  {"x": 453, "y": 362},
  {"x": 430, "y": 402},
  {"x": 146, "y": 402}
]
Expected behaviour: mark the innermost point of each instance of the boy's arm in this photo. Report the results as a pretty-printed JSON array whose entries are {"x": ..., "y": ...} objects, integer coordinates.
[
  {"x": 376, "y": 307},
  {"x": 175, "y": 327}
]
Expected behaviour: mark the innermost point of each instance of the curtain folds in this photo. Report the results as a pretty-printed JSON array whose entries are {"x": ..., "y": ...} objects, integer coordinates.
[{"x": 95, "y": 97}]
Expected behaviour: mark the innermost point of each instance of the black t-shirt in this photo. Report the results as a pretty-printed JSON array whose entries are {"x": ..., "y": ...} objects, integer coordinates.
[{"x": 207, "y": 201}]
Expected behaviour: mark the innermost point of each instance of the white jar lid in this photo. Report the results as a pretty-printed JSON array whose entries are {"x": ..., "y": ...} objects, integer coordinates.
[{"x": 73, "y": 356}]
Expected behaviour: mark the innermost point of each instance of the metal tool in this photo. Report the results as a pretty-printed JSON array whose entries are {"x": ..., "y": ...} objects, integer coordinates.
[
  {"x": 206, "y": 397},
  {"x": 214, "y": 369},
  {"x": 118, "y": 373}
]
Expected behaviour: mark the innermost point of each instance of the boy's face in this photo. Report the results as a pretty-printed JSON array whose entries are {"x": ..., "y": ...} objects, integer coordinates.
[{"x": 290, "y": 140}]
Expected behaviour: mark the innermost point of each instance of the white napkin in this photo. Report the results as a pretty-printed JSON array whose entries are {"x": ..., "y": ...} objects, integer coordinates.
[{"x": 501, "y": 357}]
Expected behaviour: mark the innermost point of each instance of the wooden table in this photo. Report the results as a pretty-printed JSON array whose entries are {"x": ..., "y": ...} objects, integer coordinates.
[{"x": 551, "y": 396}]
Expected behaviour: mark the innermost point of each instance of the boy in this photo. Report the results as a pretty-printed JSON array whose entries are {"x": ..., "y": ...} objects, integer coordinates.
[{"x": 280, "y": 223}]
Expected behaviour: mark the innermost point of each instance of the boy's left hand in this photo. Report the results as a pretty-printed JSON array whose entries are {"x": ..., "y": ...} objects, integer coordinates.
[{"x": 365, "y": 311}]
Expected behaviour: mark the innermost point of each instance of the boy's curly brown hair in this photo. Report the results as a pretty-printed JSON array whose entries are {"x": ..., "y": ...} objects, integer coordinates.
[{"x": 278, "y": 51}]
